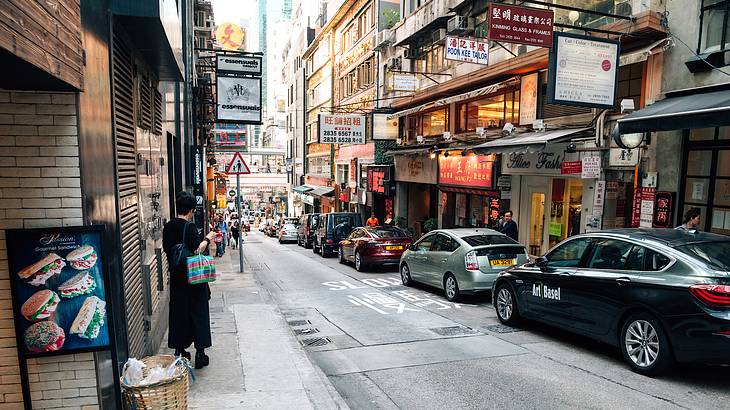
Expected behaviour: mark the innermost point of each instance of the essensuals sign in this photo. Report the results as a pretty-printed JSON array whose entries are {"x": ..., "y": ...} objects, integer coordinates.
[
  {"x": 474, "y": 171},
  {"x": 521, "y": 25},
  {"x": 239, "y": 65}
]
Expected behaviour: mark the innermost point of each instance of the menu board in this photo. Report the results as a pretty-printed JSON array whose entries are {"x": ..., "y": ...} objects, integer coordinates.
[
  {"x": 58, "y": 283},
  {"x": 583, "y": 71}
]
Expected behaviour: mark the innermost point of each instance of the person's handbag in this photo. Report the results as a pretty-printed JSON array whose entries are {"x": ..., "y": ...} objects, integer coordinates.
[
  {"x": 233, "y": 242},
  {"x": 201, "y": 269},
  {"x": 180, "y": 253}
]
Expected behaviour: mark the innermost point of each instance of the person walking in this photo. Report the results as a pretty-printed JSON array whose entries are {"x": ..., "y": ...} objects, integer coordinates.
[
  {"x": 189, "y": 317},
  {"x": 235, "y": 234},
  {"x": 509, "y": 227},
  {"x": 372, "y": 221},
  {"x": 218, "y": 239},
  {"x": 223, "y": 225},
  {"x": 691, "y": 221}
]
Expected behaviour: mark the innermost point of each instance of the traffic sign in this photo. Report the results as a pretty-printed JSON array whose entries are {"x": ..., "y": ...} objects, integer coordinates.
[
  {"x": 232, "y": 192},
  {"x": 237, "y": 166}
]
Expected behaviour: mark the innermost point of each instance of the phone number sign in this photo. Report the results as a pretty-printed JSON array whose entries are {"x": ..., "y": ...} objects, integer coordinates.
[{"x": 341, "y": 129}]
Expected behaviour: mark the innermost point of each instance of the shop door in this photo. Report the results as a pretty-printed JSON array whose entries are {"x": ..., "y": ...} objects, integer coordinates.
[{"x": 532, "y": 211}]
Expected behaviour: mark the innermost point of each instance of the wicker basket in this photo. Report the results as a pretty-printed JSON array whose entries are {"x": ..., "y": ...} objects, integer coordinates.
[{"x": 167, "y": 394}]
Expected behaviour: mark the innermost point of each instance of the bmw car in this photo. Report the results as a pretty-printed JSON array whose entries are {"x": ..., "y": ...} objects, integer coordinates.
[
  {"x": 660, "y": 295},
  {"x": 460, "y": 261}
]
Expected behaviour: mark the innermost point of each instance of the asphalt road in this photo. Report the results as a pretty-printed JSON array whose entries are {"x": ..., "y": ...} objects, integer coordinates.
[{"x": 386, "y": 346}]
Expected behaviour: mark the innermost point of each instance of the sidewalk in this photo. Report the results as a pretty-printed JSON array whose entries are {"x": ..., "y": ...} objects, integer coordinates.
[{"x": 255, "y": 362}]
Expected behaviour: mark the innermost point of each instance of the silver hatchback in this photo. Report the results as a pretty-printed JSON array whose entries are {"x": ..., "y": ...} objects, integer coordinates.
[{"x": 460, "y": 261}]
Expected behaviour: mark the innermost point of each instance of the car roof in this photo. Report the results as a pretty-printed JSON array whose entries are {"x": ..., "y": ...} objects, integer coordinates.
[
  {"x": 462, "y": 232},
  {"x": 668, "y": 237}
]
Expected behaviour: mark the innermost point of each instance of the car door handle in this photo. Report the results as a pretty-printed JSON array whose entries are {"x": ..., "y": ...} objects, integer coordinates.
[
  {"x": 563, "y": 274},
  {"x": 623, "y": 281}
]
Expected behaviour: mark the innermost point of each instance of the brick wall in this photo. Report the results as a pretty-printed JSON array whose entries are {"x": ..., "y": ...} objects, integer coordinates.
[{"x": 39, "y": 187}]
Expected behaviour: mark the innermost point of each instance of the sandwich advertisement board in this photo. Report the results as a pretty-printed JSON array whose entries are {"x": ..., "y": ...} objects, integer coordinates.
[{"x": 59, "y": 290}]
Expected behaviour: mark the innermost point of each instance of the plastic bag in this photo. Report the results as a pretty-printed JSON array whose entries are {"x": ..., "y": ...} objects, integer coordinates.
[
  {"x": 133, "y": 372},
  {"x": 154, "y": 375}
]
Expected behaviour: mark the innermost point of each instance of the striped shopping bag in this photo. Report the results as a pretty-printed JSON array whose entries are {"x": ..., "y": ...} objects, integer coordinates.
[{"x": 201, "y": 269}]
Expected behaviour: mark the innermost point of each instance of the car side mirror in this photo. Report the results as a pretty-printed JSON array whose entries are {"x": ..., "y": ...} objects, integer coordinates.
[
  {"x": 412, "y": 247},
  {"x": 542, "y": 262}
]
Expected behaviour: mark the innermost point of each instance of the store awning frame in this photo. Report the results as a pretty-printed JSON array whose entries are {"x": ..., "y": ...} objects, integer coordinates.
[
  {"x": 531, "y": 142},
  {"x": 700, "y": 107},
  {"x": 301, "y": 189},
  {"x": 322, "y": 191},
  {"x": 643, "y": 53}
]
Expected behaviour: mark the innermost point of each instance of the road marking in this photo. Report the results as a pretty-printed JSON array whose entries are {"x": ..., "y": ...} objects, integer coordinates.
[{"x": 372, "y": 282}]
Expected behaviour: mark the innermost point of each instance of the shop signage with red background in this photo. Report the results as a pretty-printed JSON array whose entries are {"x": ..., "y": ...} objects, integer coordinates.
[
  {"x": 571, "y": 167},
  {"x": 641, "y": 195},
  {"x": 521, "y": 25},
  {"x": 377, "y": 178},
  {"x": 663, "y": 205},
  {"x": 470, "y": 171}
]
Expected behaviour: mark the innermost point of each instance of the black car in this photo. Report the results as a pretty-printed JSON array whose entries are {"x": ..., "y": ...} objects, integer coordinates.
[
  {"x": 660, "y": 295},
  {"x": 305, "y": 231},
  {"x": 331, "y": 229}
]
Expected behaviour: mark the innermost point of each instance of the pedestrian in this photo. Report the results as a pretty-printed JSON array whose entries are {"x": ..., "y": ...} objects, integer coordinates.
[
  {"x": 218, "y": 239},
  {"x": 389, "y": 219},
  {"x": 509, "y": 227},
  {"x": 189, "y": 317},
  {"x": 372, "y": 221},
  {"x": 691, "y": 221},
  {"x": 235, "y": 231},
  {"x": 223, "y": 225}
]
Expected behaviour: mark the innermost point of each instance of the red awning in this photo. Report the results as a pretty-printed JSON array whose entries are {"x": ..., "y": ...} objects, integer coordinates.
[{"x": 470, "y": 191}]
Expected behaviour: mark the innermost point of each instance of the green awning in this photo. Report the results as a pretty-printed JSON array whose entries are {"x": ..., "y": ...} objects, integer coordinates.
[{"x": 302, "y": 189}]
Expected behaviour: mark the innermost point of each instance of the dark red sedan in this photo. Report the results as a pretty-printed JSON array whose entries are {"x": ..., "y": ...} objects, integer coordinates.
[{"x": 381, "y": 245}]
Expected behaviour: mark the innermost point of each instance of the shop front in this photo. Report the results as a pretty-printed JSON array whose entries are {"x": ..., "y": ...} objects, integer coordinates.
[
  {"x": 416, "y": 198},
  {"x": 468, "y": 195},
  {"x": 381, "y": 185}
]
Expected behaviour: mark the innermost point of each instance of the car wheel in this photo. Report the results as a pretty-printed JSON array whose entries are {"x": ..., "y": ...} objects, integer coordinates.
[
  {"x": 405, "y": 275},
  {"x": 341, "y": 255},
  {"x": 451, "y": 288},
  {"x": 314, "y": 246},
  {"x": 322, "y": 251},
  {"x": 359, "y": 264},
  {"x": 506, "y": 305},
  {"x": 645, "y": 345}
]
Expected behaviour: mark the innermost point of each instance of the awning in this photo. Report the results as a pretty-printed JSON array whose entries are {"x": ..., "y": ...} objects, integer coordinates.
[
  {"x": 470, "y": 191},
  {"x": 490, "y": 89},
  {"x": 410, "y": 111},
  {"x": 641, "y": 54},
  {"x": 530, "y": 141},
  {"x": 302, "y": 189},
  {"x": 322, "y": 191},
  {"x": 693, "y": 108},
  {"x": 409, "y": 151}
]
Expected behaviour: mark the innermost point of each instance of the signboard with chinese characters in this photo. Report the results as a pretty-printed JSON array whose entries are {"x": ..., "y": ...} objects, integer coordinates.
[
  {"x": 591, "y": 167},
  {"x": 619, "y": 157},
  {"x": 383, "y": 128},
  {"x": 238, "y": 99},
  {"x": 641, "y": 215},
  {"x": 583, "y": 71},
  {"x": 571, "y": 167},
  {"x": 528, "y": 99},
  {"x": 377, "y": 178},
  {"x": 466, "y": 50},
  {"x": 474, "y": 171},
  {"x": 599, "y": 196},
  {"x": 249, "y": 65},
  {"x": 521, "y": 25},
  {"x": 403, "y": 82},
  {"x": 341, "y": 129}
]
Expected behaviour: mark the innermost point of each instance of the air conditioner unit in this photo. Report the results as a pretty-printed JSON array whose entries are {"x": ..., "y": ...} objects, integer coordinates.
[
  {"x": 439, "y": 36},
  {"x": 395, "y": 63},
  {"x": 412, "y": 53},
  {"x": 460, "y": 25},
  {"x": 383, "y": 39}
]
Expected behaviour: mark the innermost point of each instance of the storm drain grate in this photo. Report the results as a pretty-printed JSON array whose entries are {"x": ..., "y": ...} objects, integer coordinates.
[
  {"x": 453, "y": 331},
  {"x": 502, "y": 328},
  {"x": 299, "y": 322},
  {"x": 316, "y": 341},
  {"x": 307, "y": 331}
]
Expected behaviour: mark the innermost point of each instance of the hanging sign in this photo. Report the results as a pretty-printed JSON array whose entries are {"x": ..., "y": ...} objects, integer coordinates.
[
  {"x": 341, "y": 129},
  {"x": 528, "y": 99},
  {"x": 571, "y": 167},
  {"x": 403, "y": 82},
  {"x": 248, "y": 65},
  {"x": 466, "y": 50},
  {"x": 521, "y": 25},
  {"x": 473, "y": 171},
  {"x": 383, "y": 128},
  {"x": 239, "y": 100},
  {"x": 599, "y": 195},
  {"x": 591, "y": 167},
  {"x": 229, "y": 36},
  {"x": 583, "y": 71}
]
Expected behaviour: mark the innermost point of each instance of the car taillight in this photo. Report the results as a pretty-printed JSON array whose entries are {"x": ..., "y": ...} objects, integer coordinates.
[
  {"x": 330, "y": 241},
  {"x": 374, "y": 244},
  {"x": 470, "y": 261},
  {"x": 715, "y": 296},
  {"x": 283, "y": 232}
]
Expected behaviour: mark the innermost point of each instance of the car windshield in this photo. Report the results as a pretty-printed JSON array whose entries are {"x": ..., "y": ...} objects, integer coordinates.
[
  {"x": 386, "y": 233},
  {"x": 338, "y": 219},
  {"x": 289, "y": 226},
  {"x": 480, "y": 240},
  {"x": 715, "y": 254}
]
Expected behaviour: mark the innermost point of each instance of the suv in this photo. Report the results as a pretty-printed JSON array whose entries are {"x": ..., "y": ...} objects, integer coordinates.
[
  {"x": 331, "y": 229},
  {"x": 305, "y": 231}
]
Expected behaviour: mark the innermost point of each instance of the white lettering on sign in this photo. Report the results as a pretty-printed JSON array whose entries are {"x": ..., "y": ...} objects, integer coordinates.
[{"x": 543, "y": 291}]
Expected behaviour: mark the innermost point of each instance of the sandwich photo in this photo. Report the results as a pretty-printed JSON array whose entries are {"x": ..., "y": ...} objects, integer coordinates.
[
  {"x": 40, "y": 306},
  {"x": 38, "y": 273},
  {"x": 82, "y": 258},
  {"x": 90, "y": 318},
  {"x": 80, "y": 284},
  {"x": 45, "y": 336}
]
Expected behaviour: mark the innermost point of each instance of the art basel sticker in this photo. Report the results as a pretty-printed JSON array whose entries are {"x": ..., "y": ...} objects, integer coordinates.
[{"x": 59, "y": 290}]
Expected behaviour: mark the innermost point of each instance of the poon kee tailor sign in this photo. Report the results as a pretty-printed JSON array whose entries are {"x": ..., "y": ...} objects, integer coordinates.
[
  {"x": 472, "y": 171},
  {"x": 341, "y": 129},
  {"x": 466, "y": 50},
  {"x": 521, "y": 25}
]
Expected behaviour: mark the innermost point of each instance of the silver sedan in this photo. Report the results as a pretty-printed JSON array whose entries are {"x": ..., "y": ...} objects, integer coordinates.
[
  {"x": 460, "y": 261},
  {"x": 288, "y": 233}
]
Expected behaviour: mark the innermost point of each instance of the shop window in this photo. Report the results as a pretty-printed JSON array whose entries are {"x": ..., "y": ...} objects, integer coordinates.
[
  {"x": 702, "y": 134},
  {"x": 343, "y": 173},
  {"x": 699, "y": 163},
  {"x": 714, "y": 33},
  {"x": 489, "y": 112},
  {"x": 434, "y": 123},
  {"x": 696, "y": 190},
  {"x": 630, "y": 84}
]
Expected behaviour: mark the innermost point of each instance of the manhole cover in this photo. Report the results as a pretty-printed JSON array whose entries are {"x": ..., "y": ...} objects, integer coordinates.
[
  {"x": 316, "y": 341},
  {"x": 502, "y": 329},
  {"x": 307, "y": 331},
  {"x": 299, "y": 322},
  {"x": 453, "y": 331}
]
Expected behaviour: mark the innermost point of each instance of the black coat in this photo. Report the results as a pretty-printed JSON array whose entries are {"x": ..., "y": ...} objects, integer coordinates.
[
  {"x": 510, "y": 229},
  {"x": 189, "y": 312}
]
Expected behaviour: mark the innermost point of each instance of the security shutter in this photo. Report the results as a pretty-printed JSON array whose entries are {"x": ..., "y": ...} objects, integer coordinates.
[{"x": 124, "y": 134}]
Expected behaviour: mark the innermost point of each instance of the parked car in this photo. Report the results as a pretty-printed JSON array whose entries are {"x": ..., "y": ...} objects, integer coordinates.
[
  {"x": 288, "y": 233},
  {"x": 659, "y": 295},
  {"x": 331, "y": 229},
  {"x": 460, "y": 261},
  {"x": 305, "y": 231},
  {"x": 366, "y": 246}
]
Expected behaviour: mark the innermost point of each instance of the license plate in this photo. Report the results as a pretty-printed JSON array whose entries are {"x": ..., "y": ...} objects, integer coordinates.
[
  {"x": 501, "y": 263},
  {"x": 394, "y": 248}
]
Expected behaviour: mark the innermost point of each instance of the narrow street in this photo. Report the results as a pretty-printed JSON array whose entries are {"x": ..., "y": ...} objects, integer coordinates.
[{"x": 384, "y": 345}]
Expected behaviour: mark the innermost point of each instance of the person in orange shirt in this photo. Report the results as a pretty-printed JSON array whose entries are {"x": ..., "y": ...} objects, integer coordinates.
[{"x": 372, "y": 221}]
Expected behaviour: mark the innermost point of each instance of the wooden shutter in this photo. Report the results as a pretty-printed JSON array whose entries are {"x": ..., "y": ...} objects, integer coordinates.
[{"x": 126, "y": 160}]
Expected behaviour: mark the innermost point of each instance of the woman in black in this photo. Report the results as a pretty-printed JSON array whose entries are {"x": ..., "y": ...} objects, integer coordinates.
[
  {"x": 235, "y": 233},
  {"x": 189, "y": 314}
]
